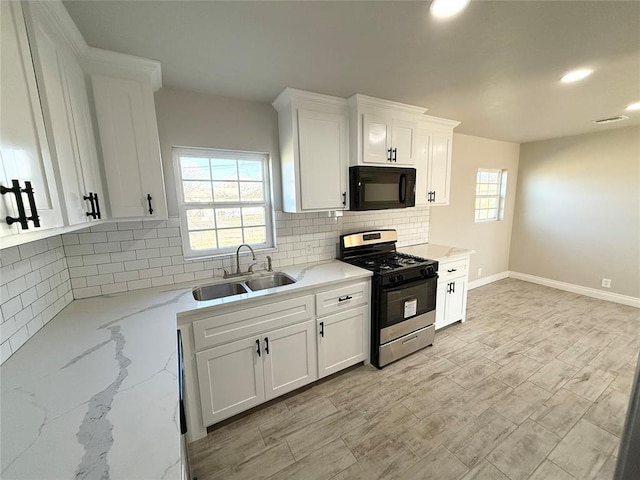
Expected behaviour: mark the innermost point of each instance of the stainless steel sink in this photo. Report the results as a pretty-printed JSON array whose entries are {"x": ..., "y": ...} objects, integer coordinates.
[
  {"x": 210, "y": 292},
  {"x": 275, "y": 280}
]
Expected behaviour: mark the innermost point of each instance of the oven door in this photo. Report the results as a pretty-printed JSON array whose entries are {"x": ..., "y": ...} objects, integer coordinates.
[
  {"x": 376, "y": 188},
  {"x": 407, "y": 308}
]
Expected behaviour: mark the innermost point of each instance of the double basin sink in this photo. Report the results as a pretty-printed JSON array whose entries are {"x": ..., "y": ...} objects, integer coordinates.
[{"x": 220, "y": 290}]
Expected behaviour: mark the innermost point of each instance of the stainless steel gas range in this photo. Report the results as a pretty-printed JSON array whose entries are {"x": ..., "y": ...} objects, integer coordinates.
[{"x": 403, "y": 294}]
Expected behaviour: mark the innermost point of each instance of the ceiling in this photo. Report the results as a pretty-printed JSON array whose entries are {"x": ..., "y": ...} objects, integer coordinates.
[{"x": 495, "y": 67}]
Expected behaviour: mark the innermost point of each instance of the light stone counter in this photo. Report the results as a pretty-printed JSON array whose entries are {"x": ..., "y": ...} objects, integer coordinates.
[
  {"x": 442, "y": 253},
  {"x": 94, "y": 393}
]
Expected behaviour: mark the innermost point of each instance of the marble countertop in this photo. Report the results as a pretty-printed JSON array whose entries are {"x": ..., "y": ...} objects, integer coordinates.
[
  {"x": 94, "y": 393},
  {"x": 442, "y": 253}
]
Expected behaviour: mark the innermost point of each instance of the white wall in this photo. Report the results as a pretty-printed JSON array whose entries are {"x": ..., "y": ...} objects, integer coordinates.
[
  {"x": 454, "y": 224},
  {"x": 578, "y": 210}
]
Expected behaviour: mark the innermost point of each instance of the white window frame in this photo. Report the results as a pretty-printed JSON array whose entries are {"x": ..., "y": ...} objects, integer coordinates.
[
  {"x": 500, "y": 196},
  {"x": 189, "y": 253}
]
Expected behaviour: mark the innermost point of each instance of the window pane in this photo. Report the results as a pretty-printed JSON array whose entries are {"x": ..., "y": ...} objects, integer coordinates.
[
  {"x": 197, "y": 191},
  {"x": 493, "y": 177},
  {"x": 228, "y": 217},
  {"x": 493, "y": 203},
  {"x": 222, "y": 169},
  {"x": 250, "y": 170},
  {"x": 492, "y": 189},
  {"x": 253, "y": 216},
  {"x": 200, "y": 219},
  {"x": 251, "y": 192},
  {"x": 230, "y": 238},
  {"x": 195, "y": 168},
  {"x": 225, "y": 192},
  {"x": 203, "y": 240},
  {"x": 255, "y": 235}
]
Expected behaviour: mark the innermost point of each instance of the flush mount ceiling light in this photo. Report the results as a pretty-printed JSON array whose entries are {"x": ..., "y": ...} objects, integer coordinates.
[
  {"x": 633, "y": 106},
  {"x": 576, "y": 75},
  {"x": 447, "y": 8}
]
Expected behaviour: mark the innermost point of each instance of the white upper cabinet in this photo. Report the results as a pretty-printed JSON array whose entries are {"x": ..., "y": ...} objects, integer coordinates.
[
  {"x": 434, "y": 149},
  {"x": 65, "y": 102},
  {"x": 383, "y": 132},
  {"x": 128, "y": 129},
  {"x": 313, "y": 151},
  {"x": 24, "y": 150}
]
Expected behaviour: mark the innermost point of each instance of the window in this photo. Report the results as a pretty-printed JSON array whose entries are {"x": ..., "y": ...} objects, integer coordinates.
[
  {"x": 490, "y": 194},
  {"x": 224, "y": 199}
]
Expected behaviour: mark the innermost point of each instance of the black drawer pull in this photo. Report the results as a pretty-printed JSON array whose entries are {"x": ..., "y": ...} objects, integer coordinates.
[
  {"x": 258, "y": 347},
  {"x": 452, "y": 270},
  {"x": 345, "y": 298},
  {"x": 266, "y": 345},
  {"x": 322, "y": 329}
]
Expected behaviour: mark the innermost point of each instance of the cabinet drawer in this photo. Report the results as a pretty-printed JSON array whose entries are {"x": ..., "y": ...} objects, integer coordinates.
[
  {"x": 241, "y": 323},
  {"x": 456, "y": 268},
  {"x": 342, "y": 298}
]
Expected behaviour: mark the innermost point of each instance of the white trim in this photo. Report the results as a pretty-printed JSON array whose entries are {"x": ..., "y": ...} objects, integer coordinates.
[
  {"x": 359, "y": 100},
  {"x": 121, "y": 65},
  {"x": 480, "y": 282},
  {"x": 579, "y": 289}
]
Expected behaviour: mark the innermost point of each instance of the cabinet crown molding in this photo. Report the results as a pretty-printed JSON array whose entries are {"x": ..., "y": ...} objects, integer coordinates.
[
  {"x": 121, "y": 65},
  {"x": 429, "y": 122},
  {"x": 359, "y": 100},
  {"x": 290, "y": 95}
]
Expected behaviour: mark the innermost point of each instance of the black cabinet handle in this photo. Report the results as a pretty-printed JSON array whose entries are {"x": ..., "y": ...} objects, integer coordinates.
[
  {"x": 22, "y": 214},
  {"x": 258, "y": 347},
  {"x": 450, "y": 287},
  {"x": 344, "y": 199},
  {"x": 149, "y": 198},
  {"x": 453, "y": 287},
  {"x": 322, "y": 329},
  {"x": 89, "y": 197},
  {"x": 97, "y": 212},
  {"x": 389, "y": 154},
  {"x": 452, "y": 270},
  {"x": 395, "y": 154},
  {"x": 266, "y": 345},
  {"x": 345, "y": 298}
]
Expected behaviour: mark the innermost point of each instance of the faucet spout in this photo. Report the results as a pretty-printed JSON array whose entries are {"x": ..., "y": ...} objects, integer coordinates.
[{"x": 253, "y": 254}]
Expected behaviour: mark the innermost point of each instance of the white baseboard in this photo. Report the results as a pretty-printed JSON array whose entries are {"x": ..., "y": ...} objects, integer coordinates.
[
  {"x": 487, "y": 280},
  {"x": 579, "y": 289}
]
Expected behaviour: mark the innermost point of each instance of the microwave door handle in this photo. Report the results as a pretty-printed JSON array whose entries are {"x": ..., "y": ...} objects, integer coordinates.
[{"x": 403, "y": 188}]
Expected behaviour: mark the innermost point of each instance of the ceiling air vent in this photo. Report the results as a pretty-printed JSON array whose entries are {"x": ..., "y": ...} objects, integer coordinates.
[{"x": 602, "y": 121}]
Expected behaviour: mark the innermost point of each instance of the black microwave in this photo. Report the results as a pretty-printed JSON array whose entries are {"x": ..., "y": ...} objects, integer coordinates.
[{"x": 378, "y": 188}]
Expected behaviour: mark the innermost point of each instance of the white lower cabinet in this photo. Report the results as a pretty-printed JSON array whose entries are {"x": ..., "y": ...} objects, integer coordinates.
[
  {"x": 231, "y": 379},
  {"x": 247, "y": 356},
  {"x": 341, "y": 340},
  {"x": 239, "y": 375},
  {"x": 451, "y": 299}
]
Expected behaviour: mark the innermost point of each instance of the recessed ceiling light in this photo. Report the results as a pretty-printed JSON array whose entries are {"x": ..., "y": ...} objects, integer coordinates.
[
  {"x": 447, "y": 8},
  {"x": 633, "y": 106},
  {"x": 575, "y": 75}
]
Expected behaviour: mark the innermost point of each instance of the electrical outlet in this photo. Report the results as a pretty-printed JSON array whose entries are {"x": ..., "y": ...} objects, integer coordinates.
[
  {"x": 606, "y": 283},
  {"x": 479, "y": 272},
  {"x": 309, "y": 249}
]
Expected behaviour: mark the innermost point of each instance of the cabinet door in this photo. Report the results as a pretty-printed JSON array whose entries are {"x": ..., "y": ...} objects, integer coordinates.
[
  {"x": 54, "y": 66},
  {"x": 404, "y": 142},
  {"x": 130, "y": 147},
  {"x": 440, "y": 167},
  {"x": 423, "y": 144},
  {"x": 24, "y": 151},
  {"x": 341, "y": 340},
  {"x": 376, "y": 138},
  {"x": 230, "y": 378},
  {"x": 456, "y": 301},
  {"x": 290, "y": 359},
  {"x": 441, "y": 304},
  {"x": 323, "y": 159}
]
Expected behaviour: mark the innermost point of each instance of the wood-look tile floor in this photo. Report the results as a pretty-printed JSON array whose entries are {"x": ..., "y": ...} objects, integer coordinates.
[{"x": 534, "y": 385}]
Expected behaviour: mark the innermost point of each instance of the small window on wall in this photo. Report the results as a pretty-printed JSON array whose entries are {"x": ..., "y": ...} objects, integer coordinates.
[
  {"x": 491, "y": 188},
  {"x": 224, "y": 200}
]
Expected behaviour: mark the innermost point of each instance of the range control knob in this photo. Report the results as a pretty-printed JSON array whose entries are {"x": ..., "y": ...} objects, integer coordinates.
[
  {"x": 400, "y": 277},
  {"x": 392, "y": 279}
]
